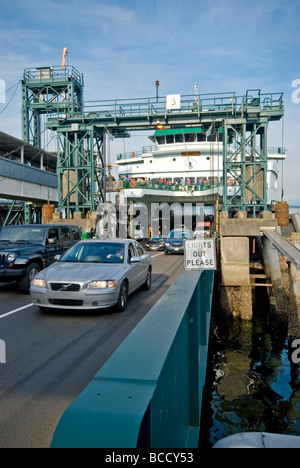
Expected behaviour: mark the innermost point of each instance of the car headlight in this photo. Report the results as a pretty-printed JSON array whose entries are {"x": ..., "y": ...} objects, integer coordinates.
[
  {"x": 167, "y": 244},
  {"x": 11, "y": 257},
  {"x": 102, "y": 284},
  {"x": 39, "y": 283}
]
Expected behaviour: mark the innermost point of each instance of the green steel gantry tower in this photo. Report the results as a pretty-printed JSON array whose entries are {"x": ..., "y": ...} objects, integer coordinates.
[
  {"x": 58, "y": 93},
  {"x": 48, "y": 91}
]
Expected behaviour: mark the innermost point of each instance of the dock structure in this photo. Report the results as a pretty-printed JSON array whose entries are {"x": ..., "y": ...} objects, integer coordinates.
[
  {"x": 236, "y": 279},
  {"x": 279, "y": 269}
]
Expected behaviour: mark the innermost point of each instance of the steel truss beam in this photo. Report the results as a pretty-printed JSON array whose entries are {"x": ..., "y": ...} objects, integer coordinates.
[
  {"x": 81, "y": 169},
  {"x": 245, "y": 168}
]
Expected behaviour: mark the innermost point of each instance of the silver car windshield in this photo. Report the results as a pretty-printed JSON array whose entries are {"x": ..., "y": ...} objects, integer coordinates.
[{"x": 95, "y": 252}]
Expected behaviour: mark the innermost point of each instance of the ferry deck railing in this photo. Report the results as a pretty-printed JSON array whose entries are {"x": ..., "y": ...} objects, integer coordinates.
[{"x": 54, "y": 74}]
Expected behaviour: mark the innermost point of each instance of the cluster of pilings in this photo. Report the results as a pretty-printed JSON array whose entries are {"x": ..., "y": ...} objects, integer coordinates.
[{"x": 240, "y": 274}]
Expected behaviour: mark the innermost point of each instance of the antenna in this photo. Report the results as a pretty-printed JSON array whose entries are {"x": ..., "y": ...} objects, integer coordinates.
[{"x": 157, "y": 85}]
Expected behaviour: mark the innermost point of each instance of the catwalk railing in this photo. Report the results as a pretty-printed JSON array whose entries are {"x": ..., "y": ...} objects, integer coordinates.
[{"x": 15, "y": 170}]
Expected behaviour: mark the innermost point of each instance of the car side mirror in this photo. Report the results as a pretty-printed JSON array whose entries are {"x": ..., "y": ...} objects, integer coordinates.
[
  {"x": 57, "y": 258},
  {"x": 135, "y": 260}
]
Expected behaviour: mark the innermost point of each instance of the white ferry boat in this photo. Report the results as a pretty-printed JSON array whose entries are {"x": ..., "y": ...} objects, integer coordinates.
[{"x": 184, "y": 163}]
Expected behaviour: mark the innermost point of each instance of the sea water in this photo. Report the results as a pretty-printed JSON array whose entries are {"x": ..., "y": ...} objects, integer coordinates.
[{"x": 252, "y": 383}]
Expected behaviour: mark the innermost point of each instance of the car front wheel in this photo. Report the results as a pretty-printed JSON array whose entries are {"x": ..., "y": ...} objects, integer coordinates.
[
  {"x": 32, "y": 270},
  {"x": 148, "y": 282},
  {"x": 123, "y": 297}
]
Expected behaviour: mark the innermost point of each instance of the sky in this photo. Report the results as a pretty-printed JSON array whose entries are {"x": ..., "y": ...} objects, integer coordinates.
[{"x": 123, "y": 46}]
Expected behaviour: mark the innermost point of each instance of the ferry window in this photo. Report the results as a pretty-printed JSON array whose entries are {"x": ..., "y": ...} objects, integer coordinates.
[
  {"x": 200, "y": 137},
  {"x": 212, "y": 137},
  {"x": 189, "y": 180},
  {"x": 160, "y": 140},
  {"x": 179, "y": 138},
  {"x": 169, "y": 139},
  {"x": 190, "y": 137}
]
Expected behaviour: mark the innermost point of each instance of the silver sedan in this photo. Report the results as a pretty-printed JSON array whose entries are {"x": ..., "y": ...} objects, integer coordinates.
[{"x": 93, "y": 274}]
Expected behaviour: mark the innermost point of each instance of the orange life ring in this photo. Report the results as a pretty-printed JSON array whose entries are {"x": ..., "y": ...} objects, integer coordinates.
[
  {"x": 133, "y": 155},
  {"x": 133, "y": 184},
  {"x": 230, "y": 181}
]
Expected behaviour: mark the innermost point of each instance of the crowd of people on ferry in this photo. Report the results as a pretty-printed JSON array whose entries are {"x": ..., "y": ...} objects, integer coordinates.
[{"x": 178, "y": 183}]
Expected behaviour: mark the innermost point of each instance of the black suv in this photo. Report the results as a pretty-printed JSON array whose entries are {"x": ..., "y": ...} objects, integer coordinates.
[{"x": 27, "y": 249}]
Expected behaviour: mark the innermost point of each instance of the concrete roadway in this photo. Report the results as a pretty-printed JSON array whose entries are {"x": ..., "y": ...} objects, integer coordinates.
[{"x": 51, "y": 357}]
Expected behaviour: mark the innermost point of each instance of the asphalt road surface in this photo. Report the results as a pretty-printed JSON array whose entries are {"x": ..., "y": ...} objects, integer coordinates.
[{"x": 51, "y": 357}]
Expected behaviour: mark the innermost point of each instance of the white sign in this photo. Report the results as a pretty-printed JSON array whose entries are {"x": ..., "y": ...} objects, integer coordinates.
[
  {"x": 173, "y": 101},
  {"x": 200, "y": 254}
]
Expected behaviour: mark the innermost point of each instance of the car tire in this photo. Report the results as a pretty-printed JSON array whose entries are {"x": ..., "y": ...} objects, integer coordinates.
[
  {"x": 123, "y": 297},
  {"x": 32, "y": 270},
  {"x": 148, "y": 282}
]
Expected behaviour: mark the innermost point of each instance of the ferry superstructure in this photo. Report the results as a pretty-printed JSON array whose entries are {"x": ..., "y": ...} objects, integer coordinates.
[{"x": 185, "y": 162}]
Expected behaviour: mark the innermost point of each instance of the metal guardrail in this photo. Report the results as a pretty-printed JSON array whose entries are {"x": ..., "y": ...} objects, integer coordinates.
[
  {"x": 54, "y": 73},
  {"x": 191, "y": 106},
  {"x": 137, "y": 154},
  {"x": 117, "y": 186},
  {"x": 218, "y": 102},
  {"x": 284, "y": 246},
  {"x": 149, "y": 393}
]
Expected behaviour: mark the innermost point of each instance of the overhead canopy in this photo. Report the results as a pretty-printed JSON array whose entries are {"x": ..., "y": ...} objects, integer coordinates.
[{"x": 13, "y": 147}]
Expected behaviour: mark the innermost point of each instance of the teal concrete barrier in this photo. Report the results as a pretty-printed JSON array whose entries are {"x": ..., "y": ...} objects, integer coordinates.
[{"x": 149, "y": 393}]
